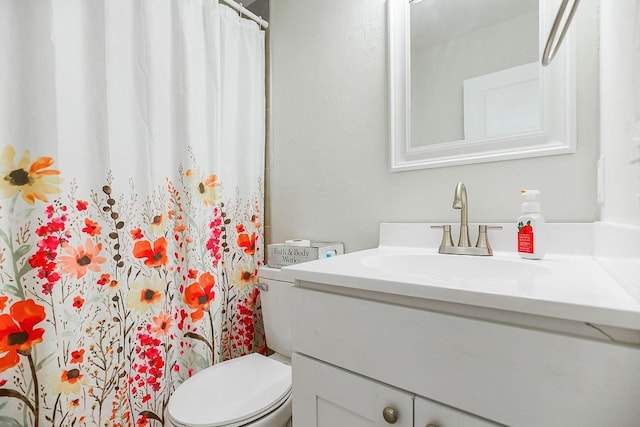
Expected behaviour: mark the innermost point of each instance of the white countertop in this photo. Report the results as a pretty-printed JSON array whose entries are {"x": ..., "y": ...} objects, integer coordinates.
[{"x": 571, "y": 287}]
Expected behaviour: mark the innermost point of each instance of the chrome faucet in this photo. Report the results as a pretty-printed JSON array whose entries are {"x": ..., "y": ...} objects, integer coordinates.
[{"x": 464, "y": 247}]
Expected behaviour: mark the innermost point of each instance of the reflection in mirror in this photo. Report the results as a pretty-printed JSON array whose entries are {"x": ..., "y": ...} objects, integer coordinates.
[
  {"x": 474, "y": 69},
  {"x": 465, "y": 84}
]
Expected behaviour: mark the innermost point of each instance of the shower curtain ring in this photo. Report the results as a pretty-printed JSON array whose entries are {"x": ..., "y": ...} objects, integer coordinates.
[{"x": 241, "y": 10}]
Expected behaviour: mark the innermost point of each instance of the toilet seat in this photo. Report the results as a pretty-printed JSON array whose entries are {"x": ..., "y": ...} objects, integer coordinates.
[{"x": 232, "y": 393}]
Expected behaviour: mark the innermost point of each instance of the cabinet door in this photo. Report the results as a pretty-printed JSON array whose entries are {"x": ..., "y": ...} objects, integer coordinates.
[
  {"x": 432, "y": 414},
  {"x": 327, "y": 396}
]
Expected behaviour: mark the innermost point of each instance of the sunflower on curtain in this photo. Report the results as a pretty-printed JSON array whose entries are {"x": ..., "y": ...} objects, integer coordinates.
[{"x": 109, "y": 300}]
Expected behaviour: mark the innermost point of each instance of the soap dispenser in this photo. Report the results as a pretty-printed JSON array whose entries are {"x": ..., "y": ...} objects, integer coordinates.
[{"x": 531, "y": 227}]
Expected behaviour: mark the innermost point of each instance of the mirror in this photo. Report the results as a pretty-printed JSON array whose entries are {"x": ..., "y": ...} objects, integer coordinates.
[{"x": 466, "y": 84}]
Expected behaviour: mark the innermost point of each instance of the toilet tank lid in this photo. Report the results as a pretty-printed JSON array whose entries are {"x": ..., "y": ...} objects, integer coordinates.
[
  {"x": 272, "y": 274},
  {"x": 230, "y": 392}
]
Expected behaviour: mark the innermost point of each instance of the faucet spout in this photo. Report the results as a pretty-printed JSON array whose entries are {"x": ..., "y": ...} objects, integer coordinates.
[{"x": 460, "y": 202}]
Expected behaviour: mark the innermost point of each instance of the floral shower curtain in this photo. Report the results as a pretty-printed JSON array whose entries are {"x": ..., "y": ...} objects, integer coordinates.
[{"x": 131, "y": 167}]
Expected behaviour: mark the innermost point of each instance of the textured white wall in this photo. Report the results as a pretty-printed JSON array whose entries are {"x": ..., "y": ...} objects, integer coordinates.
[
  {"x": 329, "y": 170},
  {"x": 620, "y": 78}
]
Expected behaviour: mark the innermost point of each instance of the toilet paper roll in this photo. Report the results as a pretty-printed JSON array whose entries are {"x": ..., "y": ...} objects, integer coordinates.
[{"x": 298, "y": 242}]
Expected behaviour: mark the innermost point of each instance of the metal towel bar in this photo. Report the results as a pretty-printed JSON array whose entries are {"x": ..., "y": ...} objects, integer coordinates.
[{"x": 552, "y": 45}]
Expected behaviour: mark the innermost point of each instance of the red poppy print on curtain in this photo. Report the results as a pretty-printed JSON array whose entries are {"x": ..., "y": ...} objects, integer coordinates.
[
  {"x": 110, "y": 299},
  {"x": 154, "y": 256},
  {"x": 18, "y": 332}
]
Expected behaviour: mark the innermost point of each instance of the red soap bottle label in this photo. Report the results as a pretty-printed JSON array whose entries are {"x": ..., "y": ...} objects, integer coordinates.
[{"x": 525, "y": 238}]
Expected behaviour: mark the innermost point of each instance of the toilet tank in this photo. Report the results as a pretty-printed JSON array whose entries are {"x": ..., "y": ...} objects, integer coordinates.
[{"x": 276, "y": 310}]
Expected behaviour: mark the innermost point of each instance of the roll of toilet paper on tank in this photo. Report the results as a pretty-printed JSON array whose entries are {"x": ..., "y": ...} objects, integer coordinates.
[{"x": 298, "y": 242}]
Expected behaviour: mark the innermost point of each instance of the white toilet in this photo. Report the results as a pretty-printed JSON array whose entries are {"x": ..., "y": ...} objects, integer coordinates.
[{"x": 252, "y": 390}]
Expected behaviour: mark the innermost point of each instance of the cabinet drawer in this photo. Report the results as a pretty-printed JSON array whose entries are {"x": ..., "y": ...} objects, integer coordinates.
[{"x": 512, "y": 375}]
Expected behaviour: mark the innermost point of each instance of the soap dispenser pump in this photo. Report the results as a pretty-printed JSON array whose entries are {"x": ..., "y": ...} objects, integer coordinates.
[{"x": 531, "y": 227}]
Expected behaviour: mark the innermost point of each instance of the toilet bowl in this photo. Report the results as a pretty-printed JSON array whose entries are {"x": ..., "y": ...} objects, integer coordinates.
[{"x": 252, "y": 390}]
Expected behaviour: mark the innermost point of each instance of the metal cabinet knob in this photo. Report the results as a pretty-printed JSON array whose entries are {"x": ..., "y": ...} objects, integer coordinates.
[{"x": 390, "y": 415}]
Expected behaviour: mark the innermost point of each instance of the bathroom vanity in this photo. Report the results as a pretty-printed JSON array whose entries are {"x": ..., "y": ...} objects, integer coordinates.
[{"x": 404, "y": 336}]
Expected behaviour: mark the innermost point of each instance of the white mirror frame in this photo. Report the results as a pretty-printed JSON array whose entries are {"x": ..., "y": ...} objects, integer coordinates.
[{"x": 557, "y": 83}]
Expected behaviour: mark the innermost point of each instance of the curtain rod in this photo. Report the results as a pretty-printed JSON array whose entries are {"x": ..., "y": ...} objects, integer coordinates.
[{"x": 246, "y": 12}]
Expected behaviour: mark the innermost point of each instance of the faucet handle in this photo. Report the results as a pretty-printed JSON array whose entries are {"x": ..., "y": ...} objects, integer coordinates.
[
  {"x": 447, "y": 240},
  {"x": 483, "y": 239}
]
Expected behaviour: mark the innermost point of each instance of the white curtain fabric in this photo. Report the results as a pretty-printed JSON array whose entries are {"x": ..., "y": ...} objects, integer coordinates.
[
  {"x": 131, "y": 186},
  {"x": 128, "y": 84}
]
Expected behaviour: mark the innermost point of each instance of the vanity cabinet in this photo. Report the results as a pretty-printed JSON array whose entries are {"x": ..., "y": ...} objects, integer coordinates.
[
  {"x": 357, "y": 353},
  {"x": 327, "y": 396}
]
